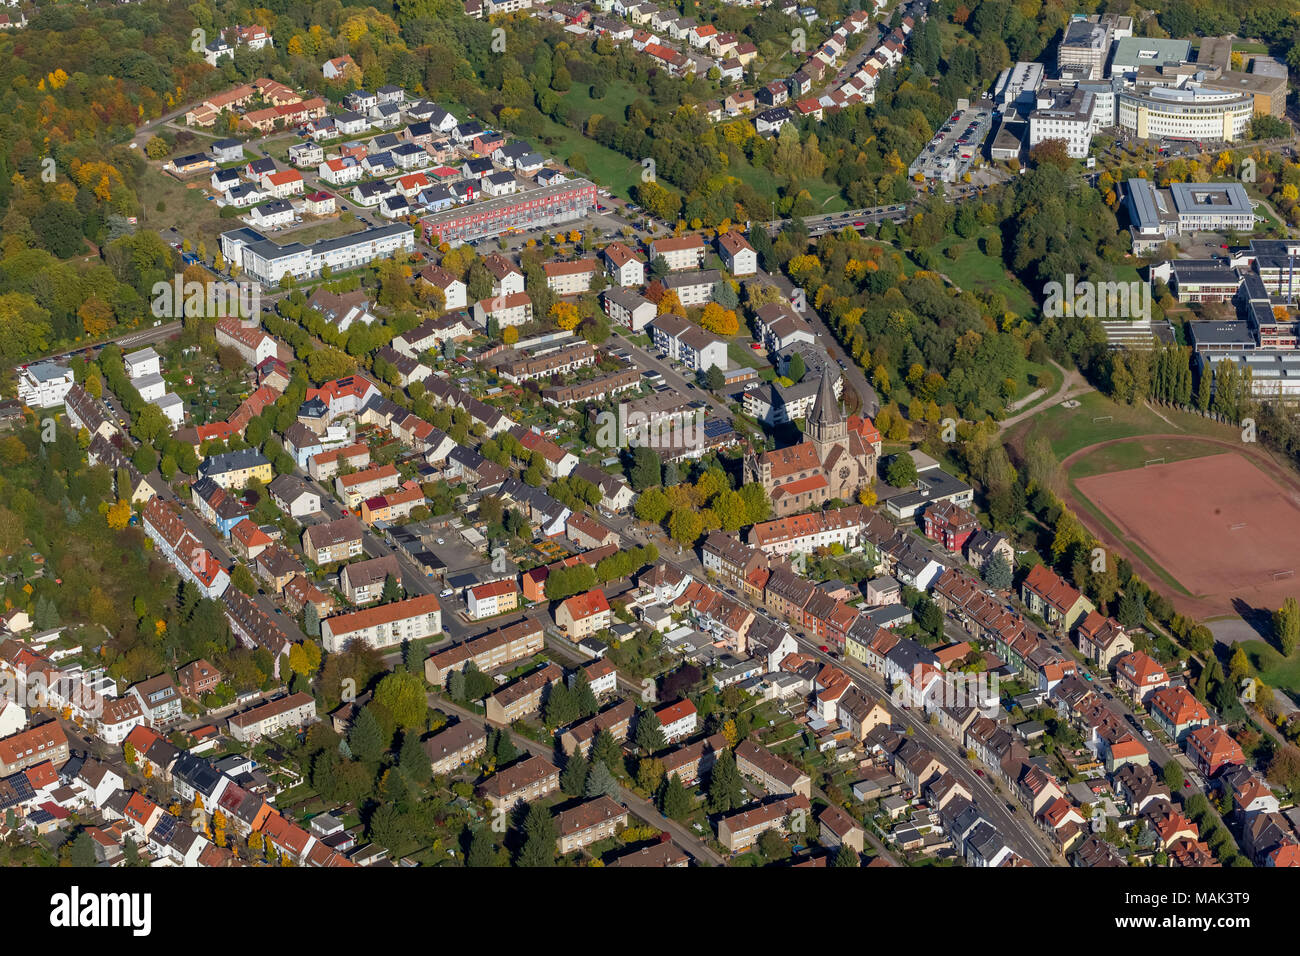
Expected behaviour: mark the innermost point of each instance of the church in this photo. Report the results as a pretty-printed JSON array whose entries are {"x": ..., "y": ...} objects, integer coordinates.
[{"x": 836, "y": 459}]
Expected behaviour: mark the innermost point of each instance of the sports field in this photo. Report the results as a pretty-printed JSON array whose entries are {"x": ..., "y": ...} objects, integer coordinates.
[{"x": 1217, "y": 525}]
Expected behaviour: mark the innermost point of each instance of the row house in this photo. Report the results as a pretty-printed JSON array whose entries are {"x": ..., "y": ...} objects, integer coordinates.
[
  {"x": 524, "y": 696},
  {"x": 266, "y": 720},
  {"x": 615, "y": 721},
  {"x": 530, "y": 779},
  {"x": 164, "y": 526},
  {"x": 488, "y": 652},
  {"x": 461, "y": 743},
  {"x": 1048, "y": 595}
]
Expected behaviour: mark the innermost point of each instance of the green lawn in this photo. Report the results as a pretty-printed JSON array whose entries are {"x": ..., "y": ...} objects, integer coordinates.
[
  {"x": 966, "y": 264},
  {"x": 1069, "y": 429},
  {"x": 1274, "y": 669},
  {"x": 1135, "y": 454}
]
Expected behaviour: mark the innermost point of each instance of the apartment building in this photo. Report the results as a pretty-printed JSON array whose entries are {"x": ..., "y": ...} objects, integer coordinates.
[
  {"x": 363, "y": 581},
  {"x": 689, "y": 344},
  {"x": 588, "y": 823},
  {"x": 775, "y": 775},
  {"x": 35, "y": 745},
  {"x": 570, "y": 278},
  {"x": 530, "y": 779},
  {"x": 385, "y": 625},
  {"x": 488, "y": 652},
  {"x": 336, "y": 540},
  {"x": 457, "y": 745},
  {"x": 524, "y": 696},
  {"x": 741, "y": 830},
  {"x": 491, "y": 599},
  {"x": 266, "y": 720},
  {"x": 368, "y": 483},
  {"x": 583, "y": 615},
  {"x": 682, "y": 252},
  {"x": 678, "y": 719}
]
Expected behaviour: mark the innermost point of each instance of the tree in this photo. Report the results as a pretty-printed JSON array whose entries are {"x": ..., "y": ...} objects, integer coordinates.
[
  {"x": 645, "y": 469},
  {"x": 796, "y": 369},
  {"x": 901, "y": 471},
  {"x": 393, "y": 590},
  {"x": 997, "y": 572},
  {"x": 605, "y": 749},
  {"x": 482, "y": 851},
  {"x": 674, "y": 800},
  {"x": 1286, "y": 625},
  {"x": 119, "y": 515},
  {"x": 714, "y": 380},
  {"x": 846, "y": 857},
  {"x": 600, "y": 782},
  {"x": 366, "y": 737},
  {"x": 539, "y": 838},
  {"x": 402, "y": 694},
  {"x": 1132, "y": 610},
  {"x": 1172, "y": 774},
  {"x": 573, "y": 778},
  {"x": 725, "y": 792},
  {"x": 413, "y": 760}
]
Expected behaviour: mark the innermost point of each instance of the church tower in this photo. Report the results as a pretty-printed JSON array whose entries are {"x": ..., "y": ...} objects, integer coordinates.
[{"x": 825, "y": 425}]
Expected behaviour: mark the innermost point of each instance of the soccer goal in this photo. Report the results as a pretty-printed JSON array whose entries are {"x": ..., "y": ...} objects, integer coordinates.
[
  {"x": 1237, "y": 527},
  {"x": 1154, "y": 461},
  {"x": 1102, "y": 418},
  {"x": 1280, "y": 575}
]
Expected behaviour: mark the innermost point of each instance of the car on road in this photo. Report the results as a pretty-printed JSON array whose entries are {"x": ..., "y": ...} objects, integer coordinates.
[
  {"x": 858, "y": 223},
  {"x": 979, "y": 771},
  {"x": 445, "y": 592},
  {"x": 1146, "y": 734},
  {"x": 823, "y": 648},
  {"x": 755, "y": 346},
  {"x": 1187, "y": 785}
]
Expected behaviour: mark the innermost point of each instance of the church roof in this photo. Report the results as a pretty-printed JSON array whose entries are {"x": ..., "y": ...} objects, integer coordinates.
[{"x": 826, "y": 407}]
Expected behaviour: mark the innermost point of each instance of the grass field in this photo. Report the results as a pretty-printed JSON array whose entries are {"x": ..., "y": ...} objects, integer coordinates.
[
  {"x": 1274, "y": 669},
  {"x": 1135, "y": 454},
  {"x": 1070, "y": 429},
  {"x": 967, "y": 265}
]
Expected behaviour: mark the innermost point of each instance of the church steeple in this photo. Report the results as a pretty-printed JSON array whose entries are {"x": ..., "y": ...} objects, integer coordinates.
[{"x": 825, "y": 412}]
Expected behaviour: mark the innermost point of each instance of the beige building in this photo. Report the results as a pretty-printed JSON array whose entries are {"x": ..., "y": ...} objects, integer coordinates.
[
  {"x": 530, "y": 779},
  {"x": 773, "y": 773},
  {"x": 488, "y": 652},
  {"x": 588, "y": 823},
  {"x": 333, "y": 541},
  {"x": 741, "y": 830},
  {"x": 583, "y": 615},
  {"x": 524, "y": 696},
  {"x": 456, "y": 746}
]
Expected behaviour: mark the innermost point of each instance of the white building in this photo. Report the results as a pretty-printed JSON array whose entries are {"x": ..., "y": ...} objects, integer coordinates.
[
  {"x": 44, "y": 385},
  {"x": 384, "y": 626}
]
